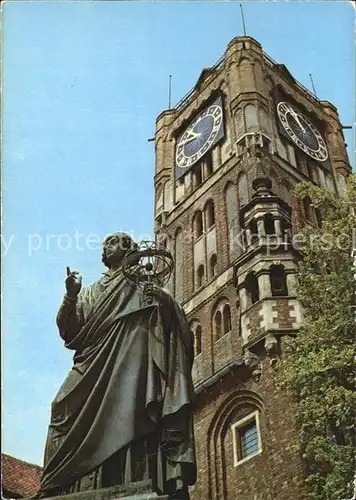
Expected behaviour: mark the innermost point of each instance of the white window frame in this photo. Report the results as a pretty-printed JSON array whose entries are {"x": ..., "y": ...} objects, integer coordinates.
[{"x": 235, "y": 430}]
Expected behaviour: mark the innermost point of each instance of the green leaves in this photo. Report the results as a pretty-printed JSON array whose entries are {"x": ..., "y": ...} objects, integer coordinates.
[{"x": 319, "y": 363}]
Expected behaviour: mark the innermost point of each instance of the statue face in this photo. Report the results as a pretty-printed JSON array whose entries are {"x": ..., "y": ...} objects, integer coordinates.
[{"x": 114, "y": 248}]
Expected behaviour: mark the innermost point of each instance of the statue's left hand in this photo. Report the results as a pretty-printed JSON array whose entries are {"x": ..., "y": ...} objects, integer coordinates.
[{"x": 158, "y": 293}]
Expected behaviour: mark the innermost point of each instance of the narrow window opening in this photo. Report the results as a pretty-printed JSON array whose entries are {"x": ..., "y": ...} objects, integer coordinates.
[
  {"x": 198, "y": 224},
  {"x": 200, "y": 276},
  {"x": 319, "y": 218},
  {"x": 218, "y": 325},
  {"x": 307, "y": 209},
  {"x": 198, "y": 340},
  {"x": 213, "y": 265},
  {"x": 210, "y": 214},
  {"x": 246, "y": 438},
  {"x": 209, "y": 164},
  {"x": 226, "y": 318},
  {"x": 197, "y": 175}
]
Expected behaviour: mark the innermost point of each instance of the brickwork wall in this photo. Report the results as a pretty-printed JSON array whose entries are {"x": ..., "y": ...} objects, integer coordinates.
[
  {"x": 283, "y": 317},
  {"x": 244, "y": 77}
]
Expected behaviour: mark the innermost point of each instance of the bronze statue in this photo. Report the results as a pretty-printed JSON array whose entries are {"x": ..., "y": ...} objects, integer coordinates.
[{"x": 124, "y": 413}]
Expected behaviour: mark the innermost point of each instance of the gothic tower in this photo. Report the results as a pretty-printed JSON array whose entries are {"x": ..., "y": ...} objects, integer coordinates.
[{"x": 227, "y": 158}]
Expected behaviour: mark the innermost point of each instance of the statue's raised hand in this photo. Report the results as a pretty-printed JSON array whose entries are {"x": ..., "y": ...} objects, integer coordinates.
[{"x": 73, "y": 283}]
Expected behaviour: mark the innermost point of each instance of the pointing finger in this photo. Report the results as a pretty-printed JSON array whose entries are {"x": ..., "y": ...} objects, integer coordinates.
[{"x": 68, "y": 270}]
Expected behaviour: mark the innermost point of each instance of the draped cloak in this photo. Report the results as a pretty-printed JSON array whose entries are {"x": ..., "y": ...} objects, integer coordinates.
[{"x": 131, "y": 379}]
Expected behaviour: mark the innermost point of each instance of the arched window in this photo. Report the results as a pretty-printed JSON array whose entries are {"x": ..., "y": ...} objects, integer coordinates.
[
  {"x": 221, "y": 319},
  {"x": 269, "y": 224},
  {"x": 252, "y": 288},
  {"x": 226, "y": 319},
  {"x": 198, "y": 340},
  {"x": 179, "y": 261},
  {"x": 251, "y": 118},
  {"x": 209, "y": 214},
  {"x": 209, "y": 164},
  {"x": 213, "y": 265},
  {"x": 278, "y": 281},
  {"x": 198, "y": 224},
  {"x": 242, "y": 187},
  {"x": 200, "y": 276},
  {"x": 218, "y": 325},
  {"x": 232, "y": 221}
]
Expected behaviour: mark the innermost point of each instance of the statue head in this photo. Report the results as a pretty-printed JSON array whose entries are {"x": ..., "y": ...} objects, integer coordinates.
[{"x": 115, "y": 247}]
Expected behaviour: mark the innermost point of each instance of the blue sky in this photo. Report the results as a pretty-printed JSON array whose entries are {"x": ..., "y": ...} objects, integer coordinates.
[{"x": 83, "y": 83}]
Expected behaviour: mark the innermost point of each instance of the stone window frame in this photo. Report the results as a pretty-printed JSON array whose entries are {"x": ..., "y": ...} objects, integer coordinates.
[{"x": 235, "y": 428}]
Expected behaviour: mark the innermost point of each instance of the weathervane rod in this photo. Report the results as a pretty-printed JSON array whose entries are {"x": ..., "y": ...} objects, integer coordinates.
[
  {"x": 243, "y": 19},
  {"x": 312, "y": 82},
  {"x": 169, "y": 91}
]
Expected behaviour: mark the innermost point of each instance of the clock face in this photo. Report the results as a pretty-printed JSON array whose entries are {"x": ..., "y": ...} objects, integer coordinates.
[
  {"x": 199, "y": 136},
  {"x": 302, "y": 131}
]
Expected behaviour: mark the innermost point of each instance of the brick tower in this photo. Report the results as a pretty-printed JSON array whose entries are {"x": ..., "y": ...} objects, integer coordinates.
[{"x": 227, "y": 158}]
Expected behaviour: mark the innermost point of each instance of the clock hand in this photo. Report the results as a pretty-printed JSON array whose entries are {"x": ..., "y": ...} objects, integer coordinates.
[
  {"x": 195, "y": 134},
  {"x": 188, "y": 139}
]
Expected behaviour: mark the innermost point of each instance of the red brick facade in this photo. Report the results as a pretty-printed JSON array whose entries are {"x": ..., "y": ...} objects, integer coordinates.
[{"x": 19, "y": 479}]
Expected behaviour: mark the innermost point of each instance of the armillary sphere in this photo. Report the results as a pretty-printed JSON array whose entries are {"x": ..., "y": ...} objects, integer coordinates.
[{"x": 148, "y": 263}]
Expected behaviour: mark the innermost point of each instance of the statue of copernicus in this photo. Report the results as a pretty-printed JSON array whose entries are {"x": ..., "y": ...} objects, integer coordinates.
[{"x": 124, "y": 412}]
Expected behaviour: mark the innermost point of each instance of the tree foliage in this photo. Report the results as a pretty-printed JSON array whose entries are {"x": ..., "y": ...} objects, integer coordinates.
[{"x": 318, "y": 365}]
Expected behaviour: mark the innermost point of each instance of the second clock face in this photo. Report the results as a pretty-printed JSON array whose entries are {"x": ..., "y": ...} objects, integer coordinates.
[
  {"x": 199, "y": 136},
  {"x": 302, "y": 131}
]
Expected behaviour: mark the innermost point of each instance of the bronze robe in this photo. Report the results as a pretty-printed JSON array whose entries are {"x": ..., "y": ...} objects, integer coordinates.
[{"x": 130, "y": 389}]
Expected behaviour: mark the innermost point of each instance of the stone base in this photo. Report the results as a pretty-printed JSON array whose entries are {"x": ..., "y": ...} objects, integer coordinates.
[{"x": 134, "y": 491}]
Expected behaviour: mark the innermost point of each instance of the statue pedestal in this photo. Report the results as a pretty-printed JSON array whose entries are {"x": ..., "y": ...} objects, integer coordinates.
[{"x": 134, "y": 491}]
